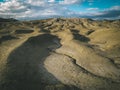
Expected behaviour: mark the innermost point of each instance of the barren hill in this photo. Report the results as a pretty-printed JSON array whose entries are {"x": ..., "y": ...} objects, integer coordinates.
[{"x": 60, "y": 54}]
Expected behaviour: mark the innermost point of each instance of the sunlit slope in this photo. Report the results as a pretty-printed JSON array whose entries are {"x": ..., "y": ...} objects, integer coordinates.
[{"x": 59, "y": 53}]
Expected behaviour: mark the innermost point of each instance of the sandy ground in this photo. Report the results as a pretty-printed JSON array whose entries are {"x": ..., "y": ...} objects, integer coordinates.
[{"x": 60, "y": 54}]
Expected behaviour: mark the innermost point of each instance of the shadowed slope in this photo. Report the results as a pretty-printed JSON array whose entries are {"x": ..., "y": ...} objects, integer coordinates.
[
  {"x": 6, "y": 38},
  {"x": 86, "y": 55},
  {"x": 23, "y": 31},
  {"x": 25, "y": 65}
]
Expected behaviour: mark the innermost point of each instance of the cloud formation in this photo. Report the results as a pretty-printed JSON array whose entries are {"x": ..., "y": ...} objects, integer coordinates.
[
  {"x": 70, "y": 1},
  {"x": 92, "y": 8},
  {"x": 111, "y": 13},
  {"x": 37, "y": 9},
  {"x": 13, "y": 8},
  {"x": 34, "y": 8}
]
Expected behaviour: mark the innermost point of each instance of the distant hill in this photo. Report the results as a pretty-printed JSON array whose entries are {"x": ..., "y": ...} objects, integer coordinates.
[
  {"x": 60, "y": 54},
  {"x": 7, "y": 20}
]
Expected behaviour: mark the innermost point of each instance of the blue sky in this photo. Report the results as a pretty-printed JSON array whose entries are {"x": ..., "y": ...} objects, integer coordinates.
[
  {"x": 1, "y": 0},
  {"x": 100, "y": 4},
  {"x": 37, "y": 9}
]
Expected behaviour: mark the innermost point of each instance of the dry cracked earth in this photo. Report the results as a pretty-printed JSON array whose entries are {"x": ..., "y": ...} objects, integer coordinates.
[{"x": 60, "y": 54}]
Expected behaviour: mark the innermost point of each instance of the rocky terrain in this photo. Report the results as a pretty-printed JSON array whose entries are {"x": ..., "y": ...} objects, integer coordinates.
[{"x": 60, "y": 54}]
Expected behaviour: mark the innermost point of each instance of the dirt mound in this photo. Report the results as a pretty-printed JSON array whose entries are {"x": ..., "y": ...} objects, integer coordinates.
[
  {"x": 23, "y": 31},
  {"x": 60, "y": 54}
]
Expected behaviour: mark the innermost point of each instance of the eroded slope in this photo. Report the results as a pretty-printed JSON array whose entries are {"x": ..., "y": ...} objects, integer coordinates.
[{"x": 60, "y": 54}]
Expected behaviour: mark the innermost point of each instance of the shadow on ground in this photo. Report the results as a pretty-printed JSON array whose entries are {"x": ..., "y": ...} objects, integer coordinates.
[
  {"x": 6, "y": 38},
  {"x": 25, "y": 68},
  {"x": 79, "y": 37},
  {"x": 23, "y": 31}
]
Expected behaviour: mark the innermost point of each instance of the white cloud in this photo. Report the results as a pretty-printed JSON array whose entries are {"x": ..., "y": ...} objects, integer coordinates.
[
  {"x": 31, "y": 9},
  {"x": 51, "y": 0},
  {"x": 90, "y": 2},
  {"x": 36, "y": 2},
  {"x": 93, "y": 9},
  {"x": 109, "y": 13},
  {"x": 71, "y": 1},
  {"x": 115, "y": 8},
  {"x": 35, "y": 8},
  {"x": 67, "y": 2},
  {"x": 13, "y": 8}
]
